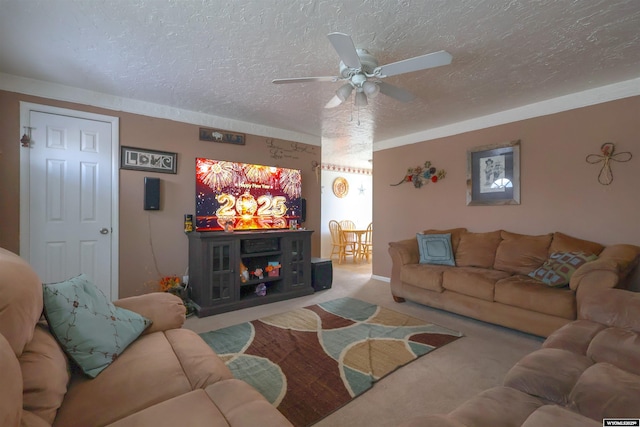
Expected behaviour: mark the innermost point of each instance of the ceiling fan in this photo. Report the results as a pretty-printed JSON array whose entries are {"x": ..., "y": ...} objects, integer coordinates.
[{"x": 361, "y": 72}]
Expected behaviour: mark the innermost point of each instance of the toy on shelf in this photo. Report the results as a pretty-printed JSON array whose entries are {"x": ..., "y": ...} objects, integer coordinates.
[
  {"x": 244, "y": 272},
  {"x": 259, "y": 273},
  {"x": 261, "y": 290},
  {"x": 273, "y": 269}
]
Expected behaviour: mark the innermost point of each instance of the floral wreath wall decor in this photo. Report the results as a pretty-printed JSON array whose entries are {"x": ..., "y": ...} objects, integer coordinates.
[
  {"x": 605, "y": 177},
  {"x": 422, "y": 174}
]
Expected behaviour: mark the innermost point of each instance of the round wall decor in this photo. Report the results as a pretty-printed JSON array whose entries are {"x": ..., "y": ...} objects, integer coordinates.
[{"x": 340, "y": 187}]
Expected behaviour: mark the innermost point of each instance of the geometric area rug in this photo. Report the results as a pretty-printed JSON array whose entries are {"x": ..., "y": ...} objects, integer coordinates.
[{"x": 311, "y": 361}]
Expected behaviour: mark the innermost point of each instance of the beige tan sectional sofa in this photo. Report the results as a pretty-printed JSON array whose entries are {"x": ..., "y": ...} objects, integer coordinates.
[
  {"x": 490, "y": 279},
  {"x": 586, "y": 372},
  {"x": 168, "y": 376}
]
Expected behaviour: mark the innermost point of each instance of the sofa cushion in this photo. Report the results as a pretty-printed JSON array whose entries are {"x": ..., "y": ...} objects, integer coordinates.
[
  {"x": 575, "y": 336},
  {"x": 11, "y": 389},
  {"x": 548, "y": 373},
  {"x": 554, "y": 415},
  {"x": 456, "y": 234},
  {"x": 424, "y": 276},
  {"x": 620, "y": 347},
  {"x": 477, "y": 249},
  {"x": 520, "y": 253},
  {"x": 558, "y": 269},
  {"x": 435, "y": 249},
  {"x": 531, "y": 294},
  {"x": 227, "y": 403},
  {"x": 45, "y": 374},
  {"x": 592, "y": 394},
  {"x": 497, "y": 406},
  {"x": 472, "y": 281},
  {"x": 564, "y": 243},
  {"x": 91, "y": 330},
  {"x": 156, "y": 367}
]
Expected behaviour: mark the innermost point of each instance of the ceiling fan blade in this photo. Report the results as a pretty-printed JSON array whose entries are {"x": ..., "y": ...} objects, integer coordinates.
[
  {"x": 396, "y": 92},
  {"x": 430, "y": 60},
  {"x": 334, "y": 102},
  {"x": 306, "y": 79},
  {"x": 343, "y": 44}
]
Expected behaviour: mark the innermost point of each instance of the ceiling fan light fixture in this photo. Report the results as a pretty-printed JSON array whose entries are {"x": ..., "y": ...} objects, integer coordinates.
[
  {"x": 370, "y": 89},
  {"x": 361, "y": 99},
  {"x": 344, "y": 91}
]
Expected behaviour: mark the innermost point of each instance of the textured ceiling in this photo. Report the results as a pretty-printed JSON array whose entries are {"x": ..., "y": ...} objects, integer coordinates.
[{"x": 219, "y": 57}]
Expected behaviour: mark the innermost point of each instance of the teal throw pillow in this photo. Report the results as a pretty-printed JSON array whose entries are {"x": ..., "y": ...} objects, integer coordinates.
[
  {"x": 91, "y": 330},
  {"x": 558, "y": 269},
  {"x": 435, "y": 249}
]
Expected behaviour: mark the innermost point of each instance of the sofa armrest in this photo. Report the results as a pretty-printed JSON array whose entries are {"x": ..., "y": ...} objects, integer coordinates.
[
  {"x": 608, "y": 271},
  {"x": 404, "y": 252},
  {"x": 165, "y": 310},
  {"x": 612, "y": 266}
]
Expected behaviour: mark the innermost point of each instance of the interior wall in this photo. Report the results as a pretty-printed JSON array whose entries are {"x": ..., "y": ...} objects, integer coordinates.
[
  {"x": 356, "y": 205},
  {"x": 152, "y": 243},
  {"x": 559, "y": 189}
]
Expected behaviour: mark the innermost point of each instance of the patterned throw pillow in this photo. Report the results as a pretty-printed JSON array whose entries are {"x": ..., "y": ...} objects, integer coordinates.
[
  {"x": 557, "y": 270},
  {"x": 91, "y": 330},
  {"x": 435, "y": 249}
]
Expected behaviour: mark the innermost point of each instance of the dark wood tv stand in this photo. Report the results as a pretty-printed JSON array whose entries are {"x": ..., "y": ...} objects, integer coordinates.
[{"x": 215, "y": 275}]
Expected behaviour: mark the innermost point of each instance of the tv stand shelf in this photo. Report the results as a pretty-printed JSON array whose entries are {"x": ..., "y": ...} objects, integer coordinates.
[{"x": 215, "y": 275}]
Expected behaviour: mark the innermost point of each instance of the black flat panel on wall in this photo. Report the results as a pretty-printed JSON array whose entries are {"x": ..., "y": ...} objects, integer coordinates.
[{"x": 151, "y": 194}]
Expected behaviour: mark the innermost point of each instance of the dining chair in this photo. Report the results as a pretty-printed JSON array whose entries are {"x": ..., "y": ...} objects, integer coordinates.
[
  {"x": 338, "y": 242},
  {"x": 366, "y": 247},
  {"x": 351, "y": 240}
]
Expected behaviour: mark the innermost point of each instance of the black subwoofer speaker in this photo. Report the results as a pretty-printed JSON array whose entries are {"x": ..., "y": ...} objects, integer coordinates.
[
  {"x": 321, "y": 273},
  {"x": 151, "y": 194}
]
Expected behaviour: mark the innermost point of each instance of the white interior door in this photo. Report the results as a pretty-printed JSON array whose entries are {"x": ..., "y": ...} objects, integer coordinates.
[{"x": 70, "y": 195}]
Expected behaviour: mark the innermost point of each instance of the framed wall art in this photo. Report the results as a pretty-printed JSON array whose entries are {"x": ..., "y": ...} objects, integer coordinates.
[
  {"x": 148, "y": 160},
  {"x": 493, "y": 174}
]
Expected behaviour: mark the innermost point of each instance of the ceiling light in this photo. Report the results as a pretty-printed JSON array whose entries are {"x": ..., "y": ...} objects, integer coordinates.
[
  {"x": 370, "y": 89},
  {"x": 361, "y": 99},
  {"x": 344, "y": 91}
]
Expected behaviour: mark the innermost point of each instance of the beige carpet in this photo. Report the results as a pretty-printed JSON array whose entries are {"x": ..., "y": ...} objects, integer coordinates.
[{"x": 434, "y": 384}]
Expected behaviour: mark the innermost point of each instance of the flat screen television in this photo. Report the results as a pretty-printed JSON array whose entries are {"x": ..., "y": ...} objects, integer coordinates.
[{"x": 244, "y": 196}]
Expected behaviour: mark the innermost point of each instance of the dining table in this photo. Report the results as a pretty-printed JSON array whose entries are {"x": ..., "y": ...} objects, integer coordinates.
[{"x": 355, "y": 236}]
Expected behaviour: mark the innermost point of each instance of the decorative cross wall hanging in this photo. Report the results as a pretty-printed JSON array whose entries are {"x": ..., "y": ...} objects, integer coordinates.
[{"x": 605, "y": 177}]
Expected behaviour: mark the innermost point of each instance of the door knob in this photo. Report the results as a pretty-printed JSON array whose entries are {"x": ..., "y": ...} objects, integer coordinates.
[{"x": 104, "y": 231}]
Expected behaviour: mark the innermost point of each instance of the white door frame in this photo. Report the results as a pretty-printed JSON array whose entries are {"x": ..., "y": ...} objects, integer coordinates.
[{"x": 25, "y": 110}]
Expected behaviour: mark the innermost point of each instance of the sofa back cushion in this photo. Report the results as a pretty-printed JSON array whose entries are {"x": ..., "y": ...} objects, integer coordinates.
[
  {"x": 564, "y": 243},
  {"x": 456, "y": 234},
  {"x": 45, "y": 374},
  {"x": 603, "y": 306},
  {"x": 477, "y": 249},
  {"x": 20, "y": 300},
  {"x": 521, "y": 253}
]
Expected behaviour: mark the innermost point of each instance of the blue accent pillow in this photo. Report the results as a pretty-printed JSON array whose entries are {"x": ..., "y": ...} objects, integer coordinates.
[
  {"x": 435, "y": 249},
  {"x": 91, "y": 330}
]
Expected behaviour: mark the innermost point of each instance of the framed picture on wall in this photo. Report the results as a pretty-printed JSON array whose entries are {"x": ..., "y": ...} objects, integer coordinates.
[
  {"x": 148, "y": 160},
  {"x": 493, "y": 174}
]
